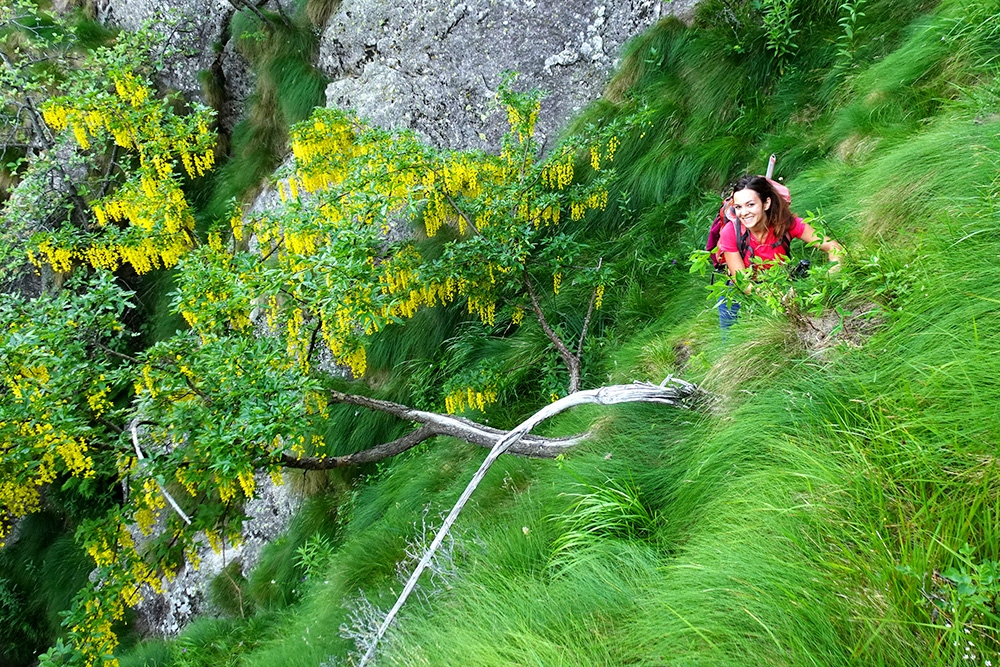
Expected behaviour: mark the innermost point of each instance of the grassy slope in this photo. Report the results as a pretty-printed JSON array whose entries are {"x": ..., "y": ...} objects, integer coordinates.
[{"x": 802, "y": 521}]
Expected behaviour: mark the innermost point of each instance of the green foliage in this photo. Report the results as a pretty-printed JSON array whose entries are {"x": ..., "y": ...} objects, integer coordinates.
[
  {"x": 965, "y": 597},
  {"x": 850, "y": 16},
  {"x": 314, "y": 556},
  {"x": 18, "y": 635},
  {"x": 53, "y": 418},
  {"x": 150, "y": 653},
  {"x": 228, "y": 592},
  {"x": 611, "y": 510},
  {"x": 779, "y": 15},
  {"x": 286, "y": 90},
  {"x": 278, "y": 580},
  {"x": 217, "y": 642},
  {"x": 814, "y": 514},
  {"x": 809, "y": 515},
  {"x": 41, "y": 571}
]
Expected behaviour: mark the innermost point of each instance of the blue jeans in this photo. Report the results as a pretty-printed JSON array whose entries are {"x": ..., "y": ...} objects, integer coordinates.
[{"x": 727, "y": 314}]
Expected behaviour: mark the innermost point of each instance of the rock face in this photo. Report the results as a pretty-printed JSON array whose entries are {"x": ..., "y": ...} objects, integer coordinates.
[
  {"x": 434, "y": 66},
  {"x": 193, "y": 27},
  {"x": 198, "y": 37},
  {"x": 427, "y": 65},
  {"x": 186, "y": 596}
]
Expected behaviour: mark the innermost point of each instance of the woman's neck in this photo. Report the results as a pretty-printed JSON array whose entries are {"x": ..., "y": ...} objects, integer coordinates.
[{"x": 759, "y": 233}]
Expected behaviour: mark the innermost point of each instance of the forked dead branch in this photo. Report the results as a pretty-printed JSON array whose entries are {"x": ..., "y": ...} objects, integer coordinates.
[{"x": 671, "y": 391}]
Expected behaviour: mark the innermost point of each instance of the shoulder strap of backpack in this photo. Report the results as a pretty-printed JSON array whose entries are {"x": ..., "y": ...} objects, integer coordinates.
[{"x": 743, "y": 242}]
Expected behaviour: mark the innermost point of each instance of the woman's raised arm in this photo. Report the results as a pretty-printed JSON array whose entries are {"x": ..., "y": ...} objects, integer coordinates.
[{"x": 829, "y": 246}]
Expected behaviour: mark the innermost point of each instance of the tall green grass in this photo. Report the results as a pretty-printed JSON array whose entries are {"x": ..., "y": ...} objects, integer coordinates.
[
  {"x": 818, "y": 511},
  {"x": 287, "y": 88}
]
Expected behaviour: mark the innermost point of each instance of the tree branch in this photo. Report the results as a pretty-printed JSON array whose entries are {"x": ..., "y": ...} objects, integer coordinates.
[
  {"x": 571, "y": 360},
  {"x": 377, "y": 453},
  {"x": 586, "y": 320},
  {"x": 671, "y": 392},
  {"x": 431, "y": 424},
  {"x": 462, "y": 213},
  {"x": 114, "y": 353},
  {"x": 167, "y": 496}
]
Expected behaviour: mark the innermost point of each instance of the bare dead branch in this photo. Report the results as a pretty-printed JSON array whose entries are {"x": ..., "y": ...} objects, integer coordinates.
[
  {"x": 670, "y": 392},
  {"x": 431, "y": 424},
  {"x": 169, "y": 498},
  {"x": 571, "y": 360}
]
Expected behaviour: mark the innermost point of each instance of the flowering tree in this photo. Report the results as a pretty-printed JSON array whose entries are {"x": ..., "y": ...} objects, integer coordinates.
[
  {"x": 97, "y": 147},
  {"x": 323, "y": 266},
  {"x": 239, "y": 390}
]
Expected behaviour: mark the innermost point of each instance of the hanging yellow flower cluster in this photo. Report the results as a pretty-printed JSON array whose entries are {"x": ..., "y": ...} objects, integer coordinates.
[
  {"x": 236, "y": 223},
  {"x": 354, "y": 357},
  {"x": 52, "y": 450},
  {"x": 18, "y": 500},
  {"x": 131, "y": 89},
  {"x": 126, "y": 573},
  {"x": 151, "y": 200},
  {"x": 483, "y": 308},
  {"x": 558, "y": 173},
  {"x": 60, "y": 259},
  {"x": 435, "y": 213},
  {"x": 523, "y": 122},
  {"x": 460, "y": 176},
  {"x": 321, "y": 149},
  {"x": 247, "y": 482},
  {"x": 470, "y": 398},
  {"x": 150, "y": 503}
]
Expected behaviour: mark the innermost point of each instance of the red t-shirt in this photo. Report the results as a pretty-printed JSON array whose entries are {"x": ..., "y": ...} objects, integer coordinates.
[{"x": 769, "y": 251}]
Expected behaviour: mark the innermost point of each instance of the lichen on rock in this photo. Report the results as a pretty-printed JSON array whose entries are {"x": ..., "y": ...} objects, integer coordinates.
[{"x": 434, "y": 67}]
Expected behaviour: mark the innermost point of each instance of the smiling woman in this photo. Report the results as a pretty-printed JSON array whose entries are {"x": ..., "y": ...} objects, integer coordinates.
[{"x": 763, "y": 228}]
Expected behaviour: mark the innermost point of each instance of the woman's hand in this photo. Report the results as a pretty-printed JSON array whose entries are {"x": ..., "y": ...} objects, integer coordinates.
[
  {"x": 829, "y": 246},
  {"x": 734, "y": 262}
]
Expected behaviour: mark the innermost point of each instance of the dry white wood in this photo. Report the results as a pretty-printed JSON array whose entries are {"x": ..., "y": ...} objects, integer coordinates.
[
  {"x": 170, "y": 499},
  {"x": 670, "y": 392}
]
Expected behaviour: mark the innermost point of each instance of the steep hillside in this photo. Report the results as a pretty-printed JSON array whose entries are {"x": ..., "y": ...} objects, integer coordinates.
[
  {"x": 834, "y": 501},
  {"x": 837, "y": 504}
]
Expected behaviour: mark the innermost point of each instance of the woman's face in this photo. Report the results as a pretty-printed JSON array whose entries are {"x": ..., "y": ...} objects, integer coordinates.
[{"x": 750, "y": 209}]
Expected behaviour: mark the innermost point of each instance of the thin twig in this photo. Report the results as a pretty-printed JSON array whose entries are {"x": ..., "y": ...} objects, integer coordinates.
[
  {"x": 586, "y": 320},
  {"x": 572, "y": 361},
  {"x": 462, "y": 213},
  {"x": 115, "y": 353},
  {"x": 170, "y": 498}
]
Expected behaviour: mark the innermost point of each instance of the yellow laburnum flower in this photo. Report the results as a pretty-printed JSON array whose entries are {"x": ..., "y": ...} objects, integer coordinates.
[{"x": 247, "y": 482}]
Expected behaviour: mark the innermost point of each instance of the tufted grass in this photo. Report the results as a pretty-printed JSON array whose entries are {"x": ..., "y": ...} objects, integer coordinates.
[
  {"x": 806, "y": 516},
  {"x": 286, "y": 89}
]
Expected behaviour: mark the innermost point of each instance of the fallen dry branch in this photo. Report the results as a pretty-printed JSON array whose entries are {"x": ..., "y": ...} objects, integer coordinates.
[
  {"x": 671, "y": 392},
  {"x": 431, "y": 424}
]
